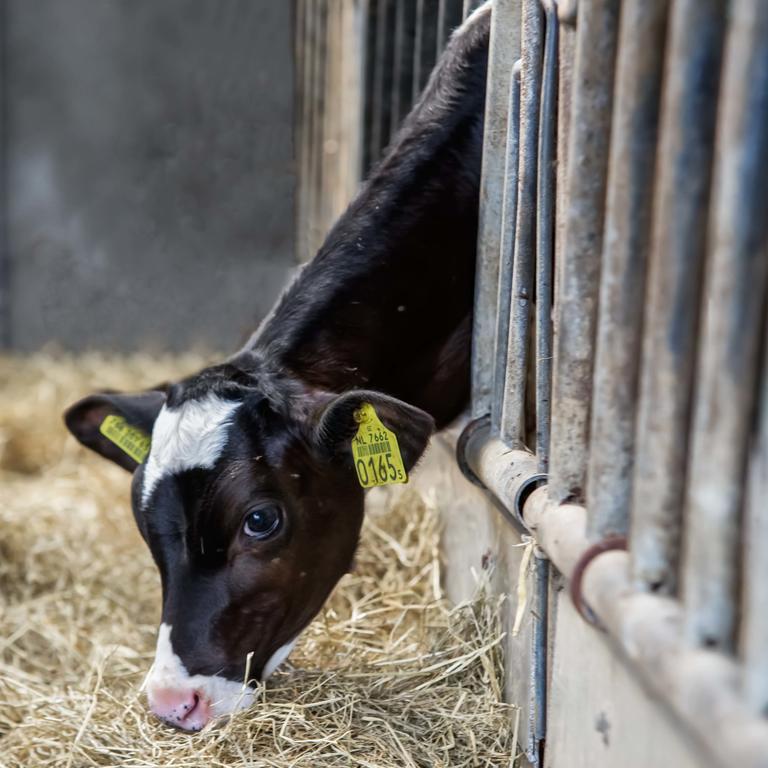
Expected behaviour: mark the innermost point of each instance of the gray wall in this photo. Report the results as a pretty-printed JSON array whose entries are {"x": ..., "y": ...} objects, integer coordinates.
[{"x": 149, "y": 170}]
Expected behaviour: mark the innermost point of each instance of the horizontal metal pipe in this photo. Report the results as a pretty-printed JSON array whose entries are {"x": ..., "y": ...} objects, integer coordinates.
[
  {"x": 626, "y": 241},
  {"x": 687, "y": 136},
  {"x": 734, "y": 322},
  {"x": 524, "y": 264},
  {"x": 504, "y": 51},
  {"x": 702, "y": 686},
  {"x": 576, "y": 310}
]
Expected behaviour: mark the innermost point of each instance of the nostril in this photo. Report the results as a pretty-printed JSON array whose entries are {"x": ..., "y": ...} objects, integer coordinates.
[
  {"x": 187, "y": 709},
  {"x": 191, "y": 706}
]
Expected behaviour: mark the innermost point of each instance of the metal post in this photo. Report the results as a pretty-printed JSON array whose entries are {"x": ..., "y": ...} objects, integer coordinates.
[
  {"x": 513, "y": 407},
  {"x": 507, "y": 248},
  {"x": 397, "y": 67},
  {"x": 576, "y": 310},
  {"x": 378, "y": 137},
  {"x": 317, "y": 138},
  {"x": 545, "y": 233},
  {"x": 676, "y": 268},
  {"x": 639, "y": 69},
  {"x": 754, "y": 621},
  {"x": 504, "y": 51},
  {"x": 734, "y": 322}
]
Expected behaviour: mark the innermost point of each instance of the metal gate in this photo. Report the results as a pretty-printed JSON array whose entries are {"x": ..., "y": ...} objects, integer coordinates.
[
  {"x": 620, "y": 342},
  {"x": 620, "y": 354}
]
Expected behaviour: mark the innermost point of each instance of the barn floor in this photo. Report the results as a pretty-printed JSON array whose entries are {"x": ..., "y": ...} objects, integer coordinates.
[{"x": 388, "y": 675}]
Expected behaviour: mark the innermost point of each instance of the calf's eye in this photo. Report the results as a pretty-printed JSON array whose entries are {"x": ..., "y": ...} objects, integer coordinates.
[{"x": 263, "y": 522}]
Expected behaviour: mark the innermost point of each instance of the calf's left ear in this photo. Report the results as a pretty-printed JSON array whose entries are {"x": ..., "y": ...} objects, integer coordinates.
[
  {"x": 337, "y": 424},
  {"x": 124, "y": 439}
]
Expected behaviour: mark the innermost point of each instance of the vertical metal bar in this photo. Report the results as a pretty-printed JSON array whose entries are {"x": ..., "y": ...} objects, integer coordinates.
[
  {"x": 734, "y": 322},
  {"x": 539, "y": 672},
  {"x": 397, "y": 67},
  {"x": 545, "y": 233},
  {"x": 468, "y": 6},
  {"x": 566, "y": 55},
  {"x": 576, "y": 310},
  {"x": 523, "y": 268},
  {"x": 442, "y": 25},
  {"x": 329, "y": 147},
  {"x": 754, "y": 612},
  {"x": 305, "y": 52},
  {"x": 377, "y": 108},
  {"x": 639, "y": 69},
  {"x": 317, "y": 128},
  {"x": 418, "y": 44},
  {"x": 683, "y": 178},
  {"x": 507, "y": 248},
  {"x": 504, "y": 51}
]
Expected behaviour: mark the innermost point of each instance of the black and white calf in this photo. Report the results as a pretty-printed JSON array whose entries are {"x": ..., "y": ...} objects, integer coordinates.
[{"x": 248, "y": 498}]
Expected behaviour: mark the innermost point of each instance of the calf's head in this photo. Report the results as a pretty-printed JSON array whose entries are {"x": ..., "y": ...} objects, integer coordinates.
[{"x": 249, "y": 503}]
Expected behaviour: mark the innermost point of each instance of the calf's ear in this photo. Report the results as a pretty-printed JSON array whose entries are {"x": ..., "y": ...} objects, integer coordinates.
[
  {"x": 337, "y": 424},
  {"x": 124, "y": 438}
]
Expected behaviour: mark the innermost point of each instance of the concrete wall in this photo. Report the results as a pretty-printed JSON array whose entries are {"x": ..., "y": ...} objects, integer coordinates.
[{"x": 149, "y": 170}]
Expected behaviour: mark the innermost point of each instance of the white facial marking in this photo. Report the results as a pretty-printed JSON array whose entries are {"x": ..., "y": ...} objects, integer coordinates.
[
  {"x": 277, "y": 658},
  {"x": 168, "y": 672},
  {"x": 188, "y": 437}
]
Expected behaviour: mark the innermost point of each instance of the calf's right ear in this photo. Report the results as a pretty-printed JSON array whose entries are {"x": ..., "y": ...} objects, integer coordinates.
[{"x": 124, "y": 438}]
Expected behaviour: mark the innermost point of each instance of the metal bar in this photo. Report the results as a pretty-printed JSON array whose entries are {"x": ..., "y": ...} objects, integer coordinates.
[
  {"x": 507, "y": 248},
  {"x": 734, "y": 320},
  {"x": 639, "y": 69},
  {"x": 504, "y": 51},
  {"x": 754, "y": 609},
  {"x": 305, "y": 49},
  {"x": 317, "y": 129},
  {"x": 418, "y": 44},
  {"x": 539, "y": 670},
  {"x": 672, "y": 301},
  {"x": 442, "y": 25},
  {"x": 523, "y": 268},
  {"x": 700, "y": 685},
  {"x": 576, "y": 310},
  {"x": 397, "y": 67},
  {"x": 545, "y": 233},
  {"x": 468, "y": 6},
  {"x": 566, "y": 55},
  {"x": 377, "y": 108}
]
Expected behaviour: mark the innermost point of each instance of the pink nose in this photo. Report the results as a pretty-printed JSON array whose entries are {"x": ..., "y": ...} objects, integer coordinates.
[{"x": 185, "y": 709}]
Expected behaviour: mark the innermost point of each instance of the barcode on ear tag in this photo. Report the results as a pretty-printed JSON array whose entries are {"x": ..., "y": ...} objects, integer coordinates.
[
  {"x": 375, "y": 451},
  {"x": 129, "y": 439}
]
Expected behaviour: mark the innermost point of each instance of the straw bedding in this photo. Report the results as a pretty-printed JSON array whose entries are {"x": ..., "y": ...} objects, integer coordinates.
[{"x": 387, "y": 675}]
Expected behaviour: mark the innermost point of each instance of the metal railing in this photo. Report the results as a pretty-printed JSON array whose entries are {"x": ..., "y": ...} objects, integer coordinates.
[
  {"x": 621, "y": 298},
  {"x": 360, "y": 66}
]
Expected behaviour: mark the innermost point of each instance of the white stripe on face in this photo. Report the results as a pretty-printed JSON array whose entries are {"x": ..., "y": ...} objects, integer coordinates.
[
  {"x": 169, "y": 673},
  {"x": 188, "y": 437},
  {"x": 224, "y": 696}
]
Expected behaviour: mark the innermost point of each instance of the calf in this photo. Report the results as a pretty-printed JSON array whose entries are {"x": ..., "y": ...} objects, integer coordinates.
[{"x": 248, "y": 495}]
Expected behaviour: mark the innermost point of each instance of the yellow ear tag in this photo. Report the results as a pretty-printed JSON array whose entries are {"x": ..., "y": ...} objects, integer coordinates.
[
  {"x": 129, "y": 439},
  {"x": 375, "y": 451}
]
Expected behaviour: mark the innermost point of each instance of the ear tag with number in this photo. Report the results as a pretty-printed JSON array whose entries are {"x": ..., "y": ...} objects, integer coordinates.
[
  {"x": 131, "y": 440},
  {"x": 375, "y": 451}
]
